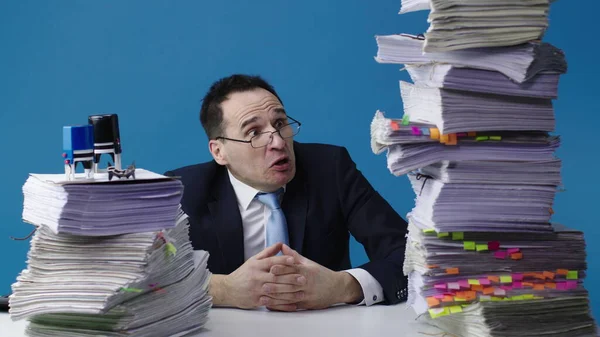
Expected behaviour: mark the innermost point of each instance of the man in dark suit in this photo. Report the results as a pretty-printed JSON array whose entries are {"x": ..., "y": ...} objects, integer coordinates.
[{"x": 276, "y": 215}]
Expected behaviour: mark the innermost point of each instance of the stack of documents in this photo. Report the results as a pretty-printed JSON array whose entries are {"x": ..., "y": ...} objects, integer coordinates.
[
  {"x": 482, "y": 256},
  {"x": 464, "y": 24},
  {"x": 120, "y": 280},
  {"x": 102, "y": 207}
]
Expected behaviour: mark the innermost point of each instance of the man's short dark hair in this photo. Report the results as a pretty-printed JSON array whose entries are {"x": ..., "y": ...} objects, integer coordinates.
[{"x": 211, "y": 114}]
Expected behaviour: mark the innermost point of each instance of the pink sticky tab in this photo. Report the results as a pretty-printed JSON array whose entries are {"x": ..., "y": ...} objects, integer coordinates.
[
  {"x": 493, "y": 245},
  {"x": 517, "y": 277},
  {"x": 453, "y": 285},
  {"x": 416, "y": 131},
  {"x": 500, "y": 255},
  {"x": 499, "y": 292},
  {"x": 464, "y": 284},
  {"x": 507, "y": 287},
  {"x": 561, "y": 285},
  {"x": 513, "y": 250},
  {"x": 439, "y": 296},
  {"x": 517, "y": 285},
  {"x": 440, "y": 286},
  {"x": 484, "y": 281},
  {"x": 571, "y": 284}
]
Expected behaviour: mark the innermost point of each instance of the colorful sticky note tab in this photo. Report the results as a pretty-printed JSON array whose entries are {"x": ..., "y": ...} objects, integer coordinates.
[
  {"x": 481, "y": 138},
  {"x": 432, "y": 302},
  {"x": 405, "y": 120},
  {"x": 440, "y": 286},
  {"x": 528, "y": 296},
  {"x": 434, "y": 133},
  {"x": 477, "y": 288},
  {"x": 500, "y": 255},
  {"x": 488, "y": 290},
  {"x": 464, "y": 284},
  {"x": 513, "y": 250},
  {"x": 493, "y": 245},
  {"x": 481, "y": 247},
  {"x": 538, "y": 286},
  {"x": 171, "y": 249},
  {"x": 452, "y": 271},
  {"x": 469, "y": 245},
  {"x": 572, "y": 275},
  {"x": 550, "y": 285},
  {"x": 494, "y": 278},
  {"x": 484, "y": 281},
  {"x": 495, "y": 137},
  {"x": 425, "y": 131},
  {"x": 439, "y": 312},
  {"x": 473, "y": 282},
  {"x": 517, "y": 285},
  {"x": 415, "y": 130},
  {"x": 459, "y": 299},
  {"x": 132, "y": 290},
  {"x": 448, "y": 298},
  {"x": 455, "y": 309},
  {"x": 549, "y": 275},
  {"x": 429, "y": 231},
  {"x": 485, "y": 298},
  {"x": 395, "y": 125},
  {"x": 472, "y": 134},
  {"x": 571, "y": 284},
  {"x": 453, "y": 285},
  {"x": 517, "y": 277},
  {"x": 561, "y": 285},
  {"x": 516, "y": 256},
  {"x": 499, "y": 292},
  {"x": 562, "y": 271},
  {"x": 506, "y": 279},
  {"x": 458, "y": 236},
  {"x": 443, "y": 235},
  {"x": 439, "y": 296}
]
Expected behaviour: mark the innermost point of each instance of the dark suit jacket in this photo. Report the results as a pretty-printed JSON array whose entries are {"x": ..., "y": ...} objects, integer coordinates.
[{"x": 326, "y": 201}]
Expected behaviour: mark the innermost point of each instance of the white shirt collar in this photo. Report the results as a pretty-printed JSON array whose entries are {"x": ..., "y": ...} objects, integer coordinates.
[{"x": 243, "y": 192}]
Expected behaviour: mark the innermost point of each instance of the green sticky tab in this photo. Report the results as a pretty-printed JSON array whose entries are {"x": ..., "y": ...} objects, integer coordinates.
[
  {"x": 496, "y": 299},
  {"x": 495, "y": 137},
  {"x": 458, "y": 299},
  {"x": 506, "y": 279},
  {"x": 171, "y": 249},
  {"x": 429, "y": 231},
  {"x": 443, "y": 235},
  {"x": 455, "y": 309},
  {"x": 482, "y": 247},
  {"x": 481, "y": 138},
  {"x": 469, "y": 245},
  {"x": 405, "y": 119},
  {"x": 439, "y": 312},
  {"x": 458, "y": 236},
  {"x": 528, "y": 296},
  {"x": 484, "y": 298},
  {"x": 132, "y": 290},
  {"x": 474, "y": 282},
  {"x": 572, "y": 275},
  {"x": 518, "y": 298}
]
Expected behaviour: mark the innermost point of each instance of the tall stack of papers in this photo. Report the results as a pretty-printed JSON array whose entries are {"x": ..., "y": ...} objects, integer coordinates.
[
  {"x": 483, "y": 258},
  {"x": 110, "y": 258},
  {"x": 463, "y": 24}
]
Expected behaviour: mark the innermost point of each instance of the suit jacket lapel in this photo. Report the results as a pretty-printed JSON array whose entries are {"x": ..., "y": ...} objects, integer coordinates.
[
  {"x": 227, "y": 222},
  {"x": 295, "y": 206}
]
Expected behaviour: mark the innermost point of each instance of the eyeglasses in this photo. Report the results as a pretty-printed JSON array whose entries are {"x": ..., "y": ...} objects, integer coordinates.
[{"x": 265, "y": 138}]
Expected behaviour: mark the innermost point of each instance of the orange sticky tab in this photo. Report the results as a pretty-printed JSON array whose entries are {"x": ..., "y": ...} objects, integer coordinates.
[
  {"x": 471, "y": 134},
  {"x": 549, "y": 275},
  {"x": 516, "y": 256},
  {"x": 432, "y": 301},
  {"x": 539, "y": 276},
  {"x": 444, "y": 139},
  {"x": 550, "y": 285},
  {"x": 538, "y": 287},
  {"x": 460, "y": 294},
  {"x": 477, "y": 287},
  {"x": 527, "y": 284},
  {"x": 494, "y": 279},
  {"x": 452, "y": 139},
  {"x": 488, "y": 290},
  {"x": 470, "y": 295},
  {"x": 529, "y": 274},
  {"x": 452, "y": 271},
  {"x": 432, "y": 266},
  {"x": 562, "y": 272},
  {"x": 434, "y": 133},
  {"x": 448, "y": 298},
  {"x": 395, "y": 125}
]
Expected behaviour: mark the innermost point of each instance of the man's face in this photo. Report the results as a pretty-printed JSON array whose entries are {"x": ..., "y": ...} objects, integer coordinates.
[{"x": 246, "y": 114}]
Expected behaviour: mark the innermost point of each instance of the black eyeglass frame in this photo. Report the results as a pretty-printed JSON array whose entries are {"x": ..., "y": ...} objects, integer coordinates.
[{"x": 266, "y": 132}]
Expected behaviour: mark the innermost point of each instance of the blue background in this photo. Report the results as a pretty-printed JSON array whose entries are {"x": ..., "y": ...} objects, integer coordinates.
[{"x": 152, "y": 61}]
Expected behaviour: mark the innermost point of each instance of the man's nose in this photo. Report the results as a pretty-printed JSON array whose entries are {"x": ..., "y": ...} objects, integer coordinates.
[{"x": 277, "y": 142}]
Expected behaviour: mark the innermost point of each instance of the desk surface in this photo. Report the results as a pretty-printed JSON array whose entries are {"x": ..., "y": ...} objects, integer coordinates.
[{"x": 344, "y": 321}]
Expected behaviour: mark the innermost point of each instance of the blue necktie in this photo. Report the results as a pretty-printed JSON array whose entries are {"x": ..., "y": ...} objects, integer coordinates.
[{"x": 277, "y": 230}]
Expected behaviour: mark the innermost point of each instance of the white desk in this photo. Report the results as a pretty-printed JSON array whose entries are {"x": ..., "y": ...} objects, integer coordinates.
[{"x": 338, "y": 321}]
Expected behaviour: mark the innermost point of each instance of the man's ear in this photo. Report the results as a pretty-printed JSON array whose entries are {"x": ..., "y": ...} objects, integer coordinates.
[{"x": 217, "y": 150}]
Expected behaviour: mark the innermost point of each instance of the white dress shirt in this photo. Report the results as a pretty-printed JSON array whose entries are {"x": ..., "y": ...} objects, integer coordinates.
[{"x": 254, "y": 216}]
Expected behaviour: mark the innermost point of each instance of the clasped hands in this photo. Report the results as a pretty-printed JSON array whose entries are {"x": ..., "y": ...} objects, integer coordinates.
[{"x": 286, "y": 282}]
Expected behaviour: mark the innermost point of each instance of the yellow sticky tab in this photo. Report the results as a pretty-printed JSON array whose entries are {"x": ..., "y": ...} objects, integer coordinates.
[
  {"x": 518, "y": 298},
  {"x": 469, "y": 245},
  {"x": 506, "y": 279},
  {"x": 428, "y": 231},
  {"x": 434, "y": 133},
  {"x": 171, "y": 249},
  {"x": 132, "y": 290},
  {"x": 458, "y": 236},
  {"x": 495, "y": 137},
  {"x": 443, "y": 235},
  {"x": 496, "y": 299},
  {"x": 474, "y": 282},
  {"x": 444, "y": 139},
  {"x": 458, "y": 299},
  {"x": 572, "y": 275},
  {"x": 455, "y": 309},
  {"x": 528, "y": 296},
  {"x": 482, "y": 247},
  {"x": 439, "y": 312}
]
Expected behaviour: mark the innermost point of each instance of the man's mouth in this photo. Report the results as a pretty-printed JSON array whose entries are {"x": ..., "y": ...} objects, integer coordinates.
[{"x": 281, "y": 164}]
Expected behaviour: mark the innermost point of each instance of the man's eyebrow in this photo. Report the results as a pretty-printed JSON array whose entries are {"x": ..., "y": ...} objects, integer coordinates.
[
  {"x": 280, "y": 111},
  {"x": 249, "y": 121}
]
